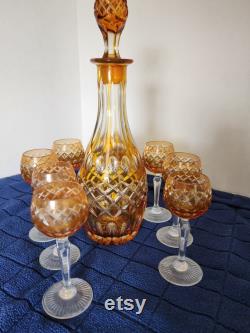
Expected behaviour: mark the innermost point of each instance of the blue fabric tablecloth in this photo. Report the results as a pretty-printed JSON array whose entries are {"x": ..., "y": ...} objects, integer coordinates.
[{"x": 219, "y": 304}]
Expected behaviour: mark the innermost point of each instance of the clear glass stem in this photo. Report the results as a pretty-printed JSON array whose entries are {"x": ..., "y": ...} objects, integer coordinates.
[
  {"x": 55, "y": 251},
  {"x": 157, "y": 189},
  {"x": 176, "y": 222},
  {"x": 63, "y": 248},
  {"x": 181, "y": 264},
  {"x": 175, "y": 227}
]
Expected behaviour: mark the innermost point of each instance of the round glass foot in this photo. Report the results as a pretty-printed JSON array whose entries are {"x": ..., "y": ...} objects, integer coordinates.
[
  {"x": 37, "y": 236},
  {"x": 157, "y": 215},
  {"x": 49, "y": 257},
  {"x": 169, "y": 236},
  {"x": 183, "y": 274},
  {"x": 62, "y": 303}
]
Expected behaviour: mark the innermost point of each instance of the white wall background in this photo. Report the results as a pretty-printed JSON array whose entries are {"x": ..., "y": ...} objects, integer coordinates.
[
  {"x": 39, "y": 77},
  {"x": 190, "y": 82}
]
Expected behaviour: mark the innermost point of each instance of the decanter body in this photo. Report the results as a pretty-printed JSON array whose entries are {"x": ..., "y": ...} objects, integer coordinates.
[{"x": 113, "y": 174}]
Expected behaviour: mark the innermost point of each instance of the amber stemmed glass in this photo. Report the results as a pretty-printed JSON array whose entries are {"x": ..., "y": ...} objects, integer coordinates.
[
  {"x": 48, "y": 173},
  {"x": 177, "y": 162},
  {"x": 155, "y": 152},
  {"x": 69, "y": 150},
  {"x": 188, "y": 197},
  {"x": 29, "y": 161},
  {"x": 59, "y": 209}
]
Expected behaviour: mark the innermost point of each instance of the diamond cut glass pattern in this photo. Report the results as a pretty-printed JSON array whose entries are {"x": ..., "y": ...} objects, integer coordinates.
[
  {"x": 69, "y": 150},
  {"x": 33, "y": 158},
  {"x": 188, "y": 195},
  {"x": 59, "y": 208},
  {"x": 111, "y": 15},
  {"x": 117, "y": 199},
  {"x": 49, "y": 172},
  {"x": 155, "y": 153},
  {"x": 177, "y": 162},
  {"x": 113, "y": 173},
  {"x": 181, "y": 162}
]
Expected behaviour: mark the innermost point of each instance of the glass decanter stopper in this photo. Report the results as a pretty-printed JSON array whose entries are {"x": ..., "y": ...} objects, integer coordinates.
[
  {"x": 111, "y": 17},
  {"x": 113, "y": 173}
]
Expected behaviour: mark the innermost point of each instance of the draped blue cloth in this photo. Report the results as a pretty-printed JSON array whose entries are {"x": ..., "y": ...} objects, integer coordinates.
[{"x": 220, "y": 303}]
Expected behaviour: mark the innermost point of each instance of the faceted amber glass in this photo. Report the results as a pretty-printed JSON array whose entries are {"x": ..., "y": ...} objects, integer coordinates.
[
  {"x": 155, "y": 153},
  {"x": 59, "y": 209},
  {"x": 51, "y": 172},
  {"x": 188, "y": 195},
  {"x": 113, "y": 173},
  {"x": 32, "y": 158},
  {"x": 111, "y": 15},
  {"x": 69, "y": 150},
  {"x": 181, "y": 162}
]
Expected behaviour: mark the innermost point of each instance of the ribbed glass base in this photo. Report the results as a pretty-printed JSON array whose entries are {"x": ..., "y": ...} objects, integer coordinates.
[
  {"x": 159, "y": 215},
  {"x": 62, "y": 303},
  {"x": 169, "y": 236},
  {"x": 36, "y": 236},
  {"x": 49, "y": 258},
  {"x": 183, "y": 274}
]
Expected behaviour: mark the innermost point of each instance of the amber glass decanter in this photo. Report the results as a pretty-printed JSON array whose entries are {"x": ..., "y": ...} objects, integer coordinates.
[{"x": 113, "y": 173}]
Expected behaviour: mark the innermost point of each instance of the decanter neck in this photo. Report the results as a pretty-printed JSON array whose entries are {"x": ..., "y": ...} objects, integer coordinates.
[
  {"x": 112, "y": 74},
  {"x": 112, "y": 129},
  {"x": 112, "y": 92},
  {"x": 112, "y": 98}
]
